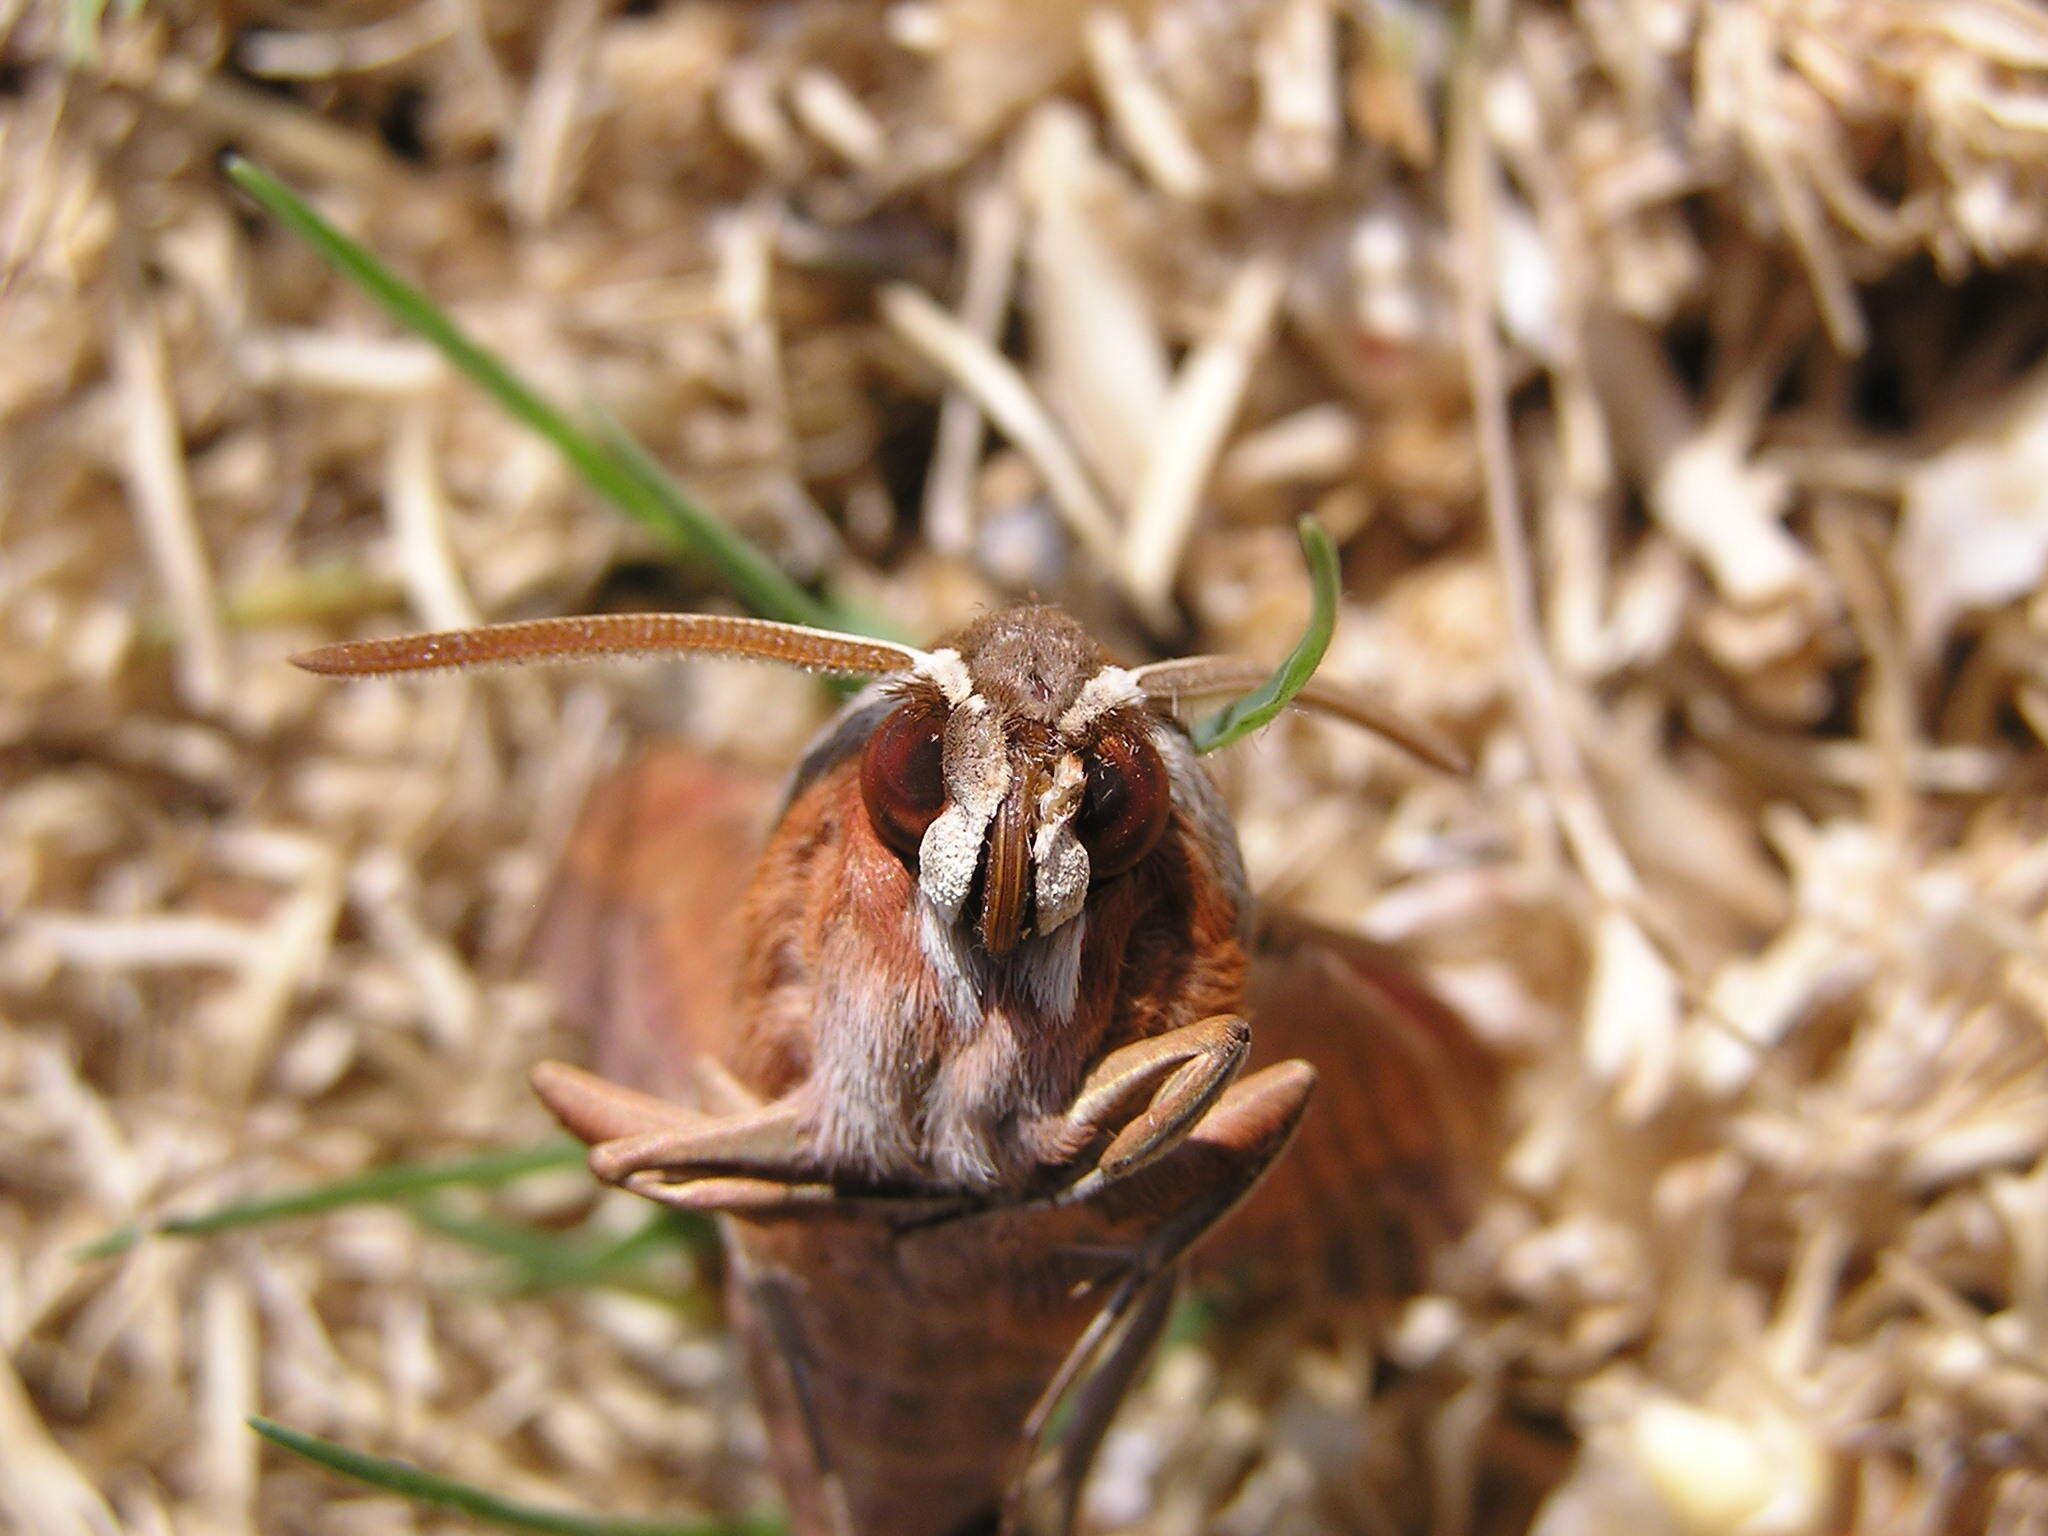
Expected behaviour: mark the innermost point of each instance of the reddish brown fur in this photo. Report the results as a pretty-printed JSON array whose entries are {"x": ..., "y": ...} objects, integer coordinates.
[{"x": 829, "y": 897}]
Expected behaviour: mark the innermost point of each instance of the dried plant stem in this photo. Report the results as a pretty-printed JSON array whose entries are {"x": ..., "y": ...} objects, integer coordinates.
[
  {"x": 628, "y": 479},
  {"x": 44, "y": 1490},
  {"x": 290, "y": 357},
  {"x": 1300, "y": 120},
  {"x": 1011, "y": 404},
  {"x": 265, "y": 124},
  {"x": 1189, "y": 436},
  {"x": 745, "y": 242},
  {"x": 994, "y": 234},
  {"x": 1764, "y": 132},
  {"x": 229, "y": 1377},
  {"x": 1887, "y": 705},
  {"x": 162, "y": 499},
  {"x": 1538, "y": 697},
  {"x": 835, "y": 117},
  {"x": 1140, "y": 111},
  {"x": 309, "y": 55},
  {"x": 419, "y": 528},
  {"x": 1924, "y": 1289},
  {"x": 537, "y": 171},
  {"x": 33, "y": 192}
]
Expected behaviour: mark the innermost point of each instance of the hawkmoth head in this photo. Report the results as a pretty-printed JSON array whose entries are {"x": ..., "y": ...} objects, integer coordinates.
[{"x": 1013, "y": 768}]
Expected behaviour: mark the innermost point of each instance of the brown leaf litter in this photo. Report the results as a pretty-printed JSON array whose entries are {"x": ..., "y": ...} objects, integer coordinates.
[{"x": 1671, "y": 374}]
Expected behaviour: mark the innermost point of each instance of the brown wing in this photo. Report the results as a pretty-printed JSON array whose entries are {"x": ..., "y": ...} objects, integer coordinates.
[
  {"x": 639, "y": 938},
  {"x": 1402, "y": 1124}
]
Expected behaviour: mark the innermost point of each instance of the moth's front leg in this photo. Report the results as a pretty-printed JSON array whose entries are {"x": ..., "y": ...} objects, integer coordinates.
[
  {"x": 750, "y": 1161},
  {"x": 1103, "y": 1230},
  {"x": 1148, "y": 1095}
]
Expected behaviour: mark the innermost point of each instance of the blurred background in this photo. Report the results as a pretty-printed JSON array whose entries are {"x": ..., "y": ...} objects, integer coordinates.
[{"x": 1671, "y": 376}]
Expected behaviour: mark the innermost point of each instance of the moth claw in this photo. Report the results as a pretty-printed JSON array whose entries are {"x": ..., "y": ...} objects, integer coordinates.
[{"x": 1181, "y": 1074}]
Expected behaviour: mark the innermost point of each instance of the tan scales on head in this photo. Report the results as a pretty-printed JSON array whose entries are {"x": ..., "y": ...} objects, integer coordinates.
[
  {"x": 1029, "y": 662},
  {"x": 1030, "y": 692}
]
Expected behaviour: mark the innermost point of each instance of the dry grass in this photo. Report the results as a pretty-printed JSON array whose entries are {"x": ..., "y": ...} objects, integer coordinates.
[{"x": 1749, "y": 890}]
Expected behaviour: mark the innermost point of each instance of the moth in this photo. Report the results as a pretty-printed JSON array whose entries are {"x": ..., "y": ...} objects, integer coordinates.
[{"x": 964, "y": 1066}]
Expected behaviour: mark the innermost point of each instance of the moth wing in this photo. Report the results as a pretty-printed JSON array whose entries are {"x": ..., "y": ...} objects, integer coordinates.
[
  {"x": 640, "y": 937},
  {"x": 1402, "y": 1125}
]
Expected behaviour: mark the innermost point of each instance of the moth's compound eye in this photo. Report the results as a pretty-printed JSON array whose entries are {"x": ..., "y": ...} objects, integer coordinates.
[
  {"x": 901, "y": 775},
  {"x": 1124, "y": 808}
]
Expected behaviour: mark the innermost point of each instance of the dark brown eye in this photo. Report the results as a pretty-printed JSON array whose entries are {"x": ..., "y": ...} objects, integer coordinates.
[
  {"x": 901, "y": 776},
  {"x": 1123, "y": 809}
]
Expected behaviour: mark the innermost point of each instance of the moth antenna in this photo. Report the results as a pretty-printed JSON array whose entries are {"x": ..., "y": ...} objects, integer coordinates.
[
  {"x": 614, "y": 634},
  {"x": 1163, "y": 682}
]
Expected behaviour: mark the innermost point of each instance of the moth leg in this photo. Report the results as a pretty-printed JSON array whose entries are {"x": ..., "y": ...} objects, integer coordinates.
[
  {"x": 1151, "y": 1092},
  {"x": 749, "y": 1163},
  {"x": 596, "y": 1110},
  {"x": 764, "y": 1143},
  {"x": 1139, "y": 1225},
  {"x": 762, "y": 1199},
  {"x": 1133, "y": 1235},
  {"x": 736, "y": 1195},
  {"x": 1095, "y": 1379},
  {"x": 719, "y": 1091},
  {"x": 1122, "y": 1241},
  {"x": 634, "y": 1134},
  {"x": 1163, "y": 1210}
]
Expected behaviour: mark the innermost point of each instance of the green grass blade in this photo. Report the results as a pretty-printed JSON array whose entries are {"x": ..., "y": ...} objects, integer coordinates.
[
  {"x": 638, "y": 488},
  {"x": 397, "y": 1181},
  {"x": 542, "y": 1260},
  {"x": 480, "y": 1504},
  {"x": 707, "y": 535},
  {"x": 1245, "y": 715},
  {"x": 1194, "y": 1321},
  {"x": 851, "y": 617},
  {"x": 82, "y": 20}
]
